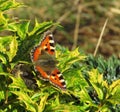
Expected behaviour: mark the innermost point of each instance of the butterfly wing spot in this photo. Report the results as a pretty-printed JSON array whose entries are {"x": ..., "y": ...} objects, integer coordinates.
[
  {"x": 62, "y": 81},
  {"x": 52, "y": 51},
  {"x": 50, "y": 36},
  {"x": 46, "y": 49},
  {"x": 51, "y": 40},
  {"x": 60, "y": 76},
  {"x": 52, "y": 48},
  {"x": 52, "y": 44},
  {"x": 53, "y": 75},
  {"x": 56, "y": 79},
  {"x": 47, "y": 43},
  {"x": 58, "y": 72}
]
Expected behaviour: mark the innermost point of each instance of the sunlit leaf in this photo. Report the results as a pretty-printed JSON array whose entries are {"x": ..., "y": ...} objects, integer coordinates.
[
  {"x": 78, "y": 81},
  {"x": 26, "y": 100},
  {"x": 39, "y": 28},
  {"x": 68, "y": 57},
  {"x": 8, "y": 4},
  {"x": 3, "y": 58},
  {"x": 8, "y": 45},
  {"x": 22, "y": 29},
  {"x": 43, "y": 102},
  {"x": 3, "y": 21},
  {"x": 84, "y": 96},
  {"x": 17, "y": 83},
  {"x": 96, "y": 80},
  {"x": 115, "y": 86},
  {"x": 13, "y": 48}
]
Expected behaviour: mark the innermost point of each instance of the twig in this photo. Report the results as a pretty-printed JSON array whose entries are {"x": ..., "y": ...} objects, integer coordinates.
[
  {"x": 66, "y": 14},
  {"x": 61, "y": 19},
  {"x": 77, "y": 27},
  {"x": 100, "y": 38}
]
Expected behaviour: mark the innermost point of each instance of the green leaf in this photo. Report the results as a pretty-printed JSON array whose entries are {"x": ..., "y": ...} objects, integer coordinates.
[
  {"x": 78, "y": 81},
  {"x": 4, "y": 43},
  {"x": 26, "y": 101},
  {"x": 22, "y": 29},
  {"x": 2, "y": 95},
  {"x": 17, "y": 83},
  {"x": 115, "y": 86},
  {"x": 3, "y": 21},
  {"x": 114, "y": 92},
  {"x": 5, "y": 74},
  {"x": 8, "y": 45},
  {"x": 13, "y": 48},
  {"x": 67, "y": 58},
  {"x": 69, "y": 108},
  {"x": 8, "y": 4},
  {"x": 104, "y": 108},
  {"x": 3, "y": 58},
  {"x": 40, "y": 28},
  {"x": 84, "y": 96},
  {"x": 96, "y": 80},
  {"x": 43, "y": 102}
]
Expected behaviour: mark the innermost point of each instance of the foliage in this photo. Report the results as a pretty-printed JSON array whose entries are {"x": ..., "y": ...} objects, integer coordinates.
[
  {"x": 110, "y": 67},
  {"x": 87, "y": 91}
]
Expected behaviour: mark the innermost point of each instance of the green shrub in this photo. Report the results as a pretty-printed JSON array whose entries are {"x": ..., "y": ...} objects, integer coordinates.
[{"x": 87, "y": 90}]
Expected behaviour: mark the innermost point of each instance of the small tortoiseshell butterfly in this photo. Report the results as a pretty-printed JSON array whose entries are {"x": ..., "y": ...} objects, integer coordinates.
[{"x": 43, "y": 58}]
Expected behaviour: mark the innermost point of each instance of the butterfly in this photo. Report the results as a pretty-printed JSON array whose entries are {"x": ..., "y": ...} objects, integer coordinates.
[{"x": 44, "y": 61}]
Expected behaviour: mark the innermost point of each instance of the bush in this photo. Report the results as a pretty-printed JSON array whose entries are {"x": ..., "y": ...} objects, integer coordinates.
[{"x": 20, "y": 90}]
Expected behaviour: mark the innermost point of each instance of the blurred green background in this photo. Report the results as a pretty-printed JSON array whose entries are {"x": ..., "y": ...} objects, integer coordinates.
[{"x": 82, "y": 22}]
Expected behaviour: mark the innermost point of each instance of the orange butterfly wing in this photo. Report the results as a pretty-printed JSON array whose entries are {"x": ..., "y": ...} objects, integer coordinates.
[{"x": 56, "y": 79}]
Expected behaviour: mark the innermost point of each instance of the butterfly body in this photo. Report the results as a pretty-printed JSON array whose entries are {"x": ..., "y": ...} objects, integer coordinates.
[{"x": 44, "y": 61}]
